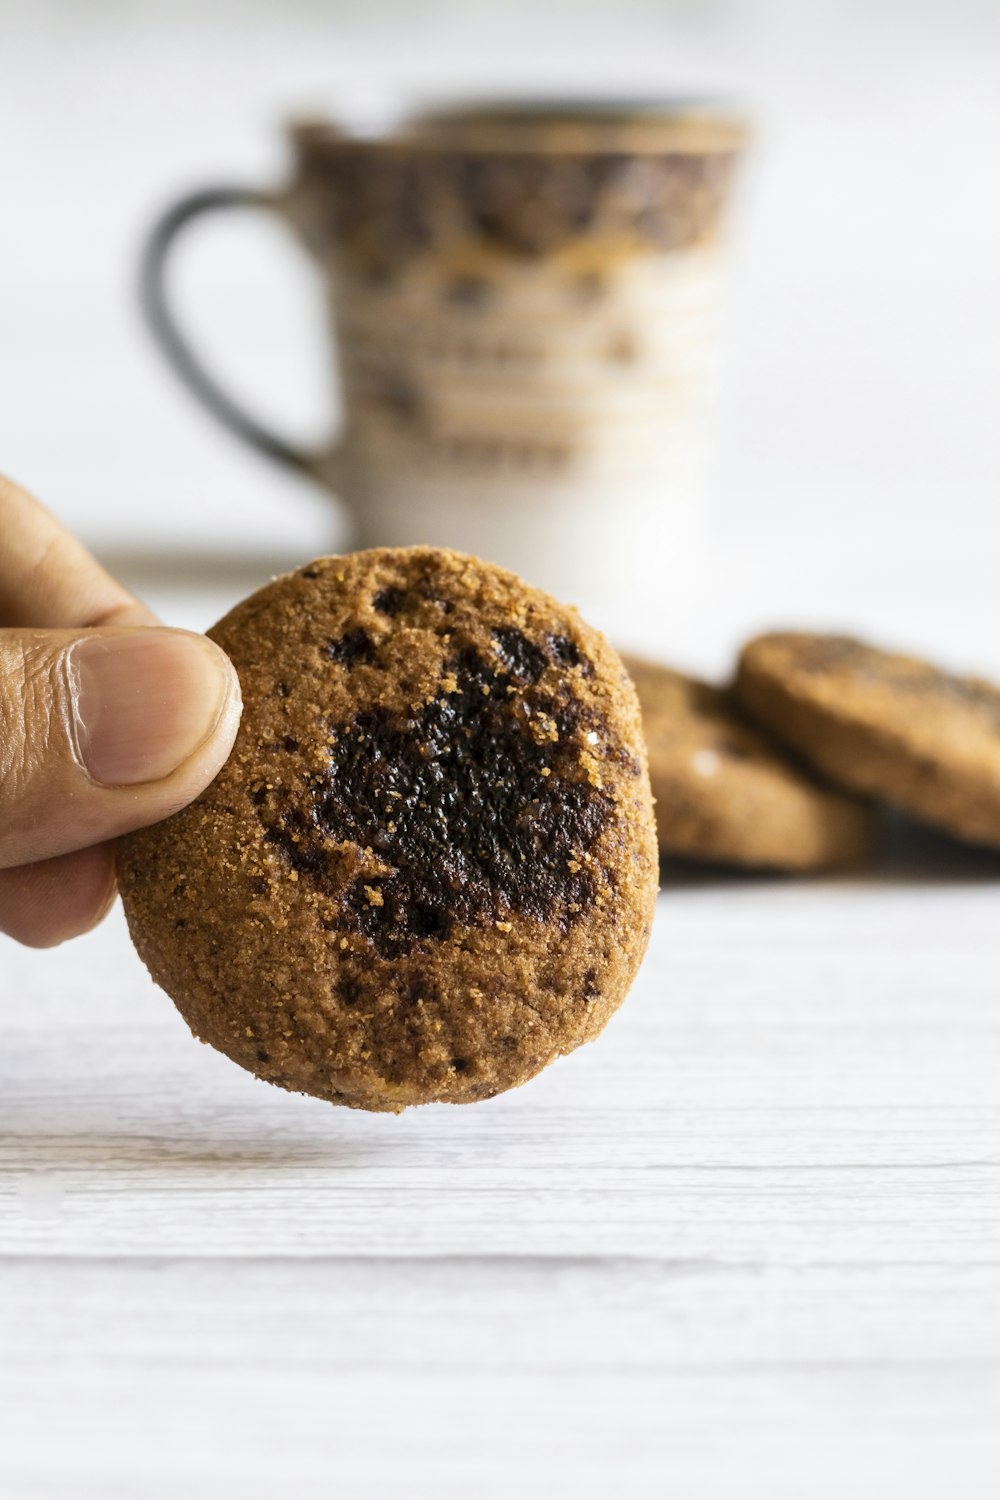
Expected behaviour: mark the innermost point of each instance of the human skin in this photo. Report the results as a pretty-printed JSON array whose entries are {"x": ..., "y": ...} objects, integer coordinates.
[{"x": 108, "y": 722}]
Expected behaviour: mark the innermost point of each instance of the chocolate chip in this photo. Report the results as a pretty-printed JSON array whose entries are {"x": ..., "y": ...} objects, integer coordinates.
[
  {"x": 349, "y": 989},
  {"x": 570, "y": 655},
  {"x": 354, "y": 646},
  {"x": 623, "y": 757},
  {"x": 389, "y": 601},
  {"x": 519, "y": 655},
  {"x": 295, "y": 838}
]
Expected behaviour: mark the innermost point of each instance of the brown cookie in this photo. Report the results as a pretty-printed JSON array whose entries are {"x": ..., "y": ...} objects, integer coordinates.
[
  {"x": 890, "y": 726},
  {"x": 726, "y": 793},
  {"x": 429, "y": 866}
]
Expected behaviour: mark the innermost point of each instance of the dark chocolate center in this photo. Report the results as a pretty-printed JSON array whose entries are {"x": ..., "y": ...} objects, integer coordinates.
[{"x": 477, "y": 801}]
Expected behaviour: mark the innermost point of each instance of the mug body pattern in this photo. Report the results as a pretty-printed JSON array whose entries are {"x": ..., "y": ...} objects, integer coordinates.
[{"x": 526, "y": 316}]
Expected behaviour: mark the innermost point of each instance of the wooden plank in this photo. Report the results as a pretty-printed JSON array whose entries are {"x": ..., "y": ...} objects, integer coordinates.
[
  {"x": 493, "y": 1376},
  {"x": 746, "y": 1244}
]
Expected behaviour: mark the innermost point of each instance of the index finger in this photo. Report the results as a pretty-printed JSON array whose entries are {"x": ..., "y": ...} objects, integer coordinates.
[{"x": 48, "y": 578}]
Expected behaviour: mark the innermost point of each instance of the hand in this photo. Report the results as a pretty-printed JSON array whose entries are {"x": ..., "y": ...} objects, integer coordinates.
[{"x": 107, "y": 722}]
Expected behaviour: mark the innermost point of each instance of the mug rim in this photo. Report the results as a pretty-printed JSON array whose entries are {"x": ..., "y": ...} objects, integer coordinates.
[{"x": 545, "y": 126}]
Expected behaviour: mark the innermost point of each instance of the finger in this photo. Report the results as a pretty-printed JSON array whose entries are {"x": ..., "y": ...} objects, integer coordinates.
[
  {"x": 49, "y": 578},
  {"x": 105, "y": 731},
  {"x": 46, "y": 903}
]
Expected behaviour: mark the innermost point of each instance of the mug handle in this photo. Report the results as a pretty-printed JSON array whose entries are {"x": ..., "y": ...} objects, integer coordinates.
[{"x": 174, "y": 344}]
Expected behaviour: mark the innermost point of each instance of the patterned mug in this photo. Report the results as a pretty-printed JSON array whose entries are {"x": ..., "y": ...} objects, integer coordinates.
[{"x": 524, "y": 302}]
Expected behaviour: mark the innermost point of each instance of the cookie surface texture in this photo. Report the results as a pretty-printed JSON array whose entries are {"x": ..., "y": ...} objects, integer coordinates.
[
  {"x": 429, "y": 866},
  {"x": 888, "y": 725},
  {"x": 726, "y": 793}
]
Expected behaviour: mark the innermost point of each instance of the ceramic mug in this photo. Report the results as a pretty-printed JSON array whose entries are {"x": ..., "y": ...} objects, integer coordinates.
[{"x": 524, "y": 303}]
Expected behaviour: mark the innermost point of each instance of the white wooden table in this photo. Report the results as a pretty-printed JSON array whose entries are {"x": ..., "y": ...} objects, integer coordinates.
[{"x": 748, "y": 1244}]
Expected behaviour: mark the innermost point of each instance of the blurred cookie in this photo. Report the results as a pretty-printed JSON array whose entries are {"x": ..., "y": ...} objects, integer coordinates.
[
  {"x": 888, "y": 725},
  {"x": 429, "y": 866},
  {"x": 725, "y": 793}
]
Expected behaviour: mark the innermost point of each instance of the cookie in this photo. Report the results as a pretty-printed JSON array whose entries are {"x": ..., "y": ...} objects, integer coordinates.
[
  {"x": 890, "y": 726},
  {"x": 725, "y": 793},
  {"x": 429, "y": 866}
]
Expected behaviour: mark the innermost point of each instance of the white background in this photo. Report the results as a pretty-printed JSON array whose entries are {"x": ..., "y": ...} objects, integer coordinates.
[
  {"x": 858, "y": 462},
  {"x": 748, "y": 1244}
]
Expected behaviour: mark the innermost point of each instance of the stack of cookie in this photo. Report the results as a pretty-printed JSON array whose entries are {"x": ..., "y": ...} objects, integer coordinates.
[
  {"x": 429, "y": 866},
  {"x": 781, "y": 770}
]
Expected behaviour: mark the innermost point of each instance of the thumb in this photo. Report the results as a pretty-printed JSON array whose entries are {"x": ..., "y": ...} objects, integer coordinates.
[{"x": 104, "y": 731}]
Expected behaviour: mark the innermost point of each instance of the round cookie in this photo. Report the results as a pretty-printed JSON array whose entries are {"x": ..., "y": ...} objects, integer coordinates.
[
  {"x": 429, "y": 866},
  {"x": 725, "y": 793},
  {"x": 891, "y": 726}
]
